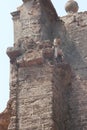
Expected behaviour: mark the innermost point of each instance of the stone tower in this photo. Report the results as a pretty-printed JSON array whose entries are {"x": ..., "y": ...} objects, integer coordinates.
[
  {"x": 34, "y": 78},
  {"x": 44, "y": 94}
]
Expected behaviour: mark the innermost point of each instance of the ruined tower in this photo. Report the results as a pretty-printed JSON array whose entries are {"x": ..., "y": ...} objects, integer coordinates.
[
  {"x": 33, "y": 74},
  {"x": 44, "y": 94}
]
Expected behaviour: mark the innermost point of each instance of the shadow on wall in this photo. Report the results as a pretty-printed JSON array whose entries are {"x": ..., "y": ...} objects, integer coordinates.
[
  {"x": 62, "y": 80},
  {"x": 73, "y": 55},
  {"x": 71, "y": 97},
  {"x": 68, "y": 99}
]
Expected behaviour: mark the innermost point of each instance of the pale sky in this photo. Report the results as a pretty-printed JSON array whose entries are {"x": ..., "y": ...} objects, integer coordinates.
[{"x": 6, "y": 39}]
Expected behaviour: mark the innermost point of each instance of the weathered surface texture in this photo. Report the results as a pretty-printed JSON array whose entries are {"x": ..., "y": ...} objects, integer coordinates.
[
  {"x": 62, "y": 81},
  {"x": 76, "y": 27},
  {"x": 46, "y": 95},
  {"x": 35, "y": 98},
  {"x": 36, "y": 24},
  {"x": 34, "y": 19},
  {"x": 5, "y": 116},
  {"x": 37, "y": 20}
]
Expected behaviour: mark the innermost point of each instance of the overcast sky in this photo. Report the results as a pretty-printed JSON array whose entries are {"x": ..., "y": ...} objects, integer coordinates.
[{"x": 6, "y": 39}]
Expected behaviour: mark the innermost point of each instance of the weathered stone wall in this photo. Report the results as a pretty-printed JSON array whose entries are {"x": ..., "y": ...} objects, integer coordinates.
[
  {"x": 35, "y": 98},
  {"x": 76, "y": 27},
  {"x": 5, "y": 116},
  {"x": 34, "y": 19},
  {"x": 41, "y": 96},
  {"x": 13, "y": 95},
  {"x": 46, "y": 95},
  {"x": 62, "y": 82},
  {"x": 31, "y": 86}
]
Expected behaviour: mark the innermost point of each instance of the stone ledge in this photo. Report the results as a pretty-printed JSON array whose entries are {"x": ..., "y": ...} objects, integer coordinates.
[
  {"x": 14, "y": 52},
  {"x": 29, "y": 59}
]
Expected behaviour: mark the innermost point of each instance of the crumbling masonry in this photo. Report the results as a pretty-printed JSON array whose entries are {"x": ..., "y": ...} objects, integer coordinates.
[{"x": 45, "y": 95}]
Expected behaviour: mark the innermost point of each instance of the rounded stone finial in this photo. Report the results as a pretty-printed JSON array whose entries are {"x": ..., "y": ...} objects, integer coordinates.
[{"x": 71, "y": 6}]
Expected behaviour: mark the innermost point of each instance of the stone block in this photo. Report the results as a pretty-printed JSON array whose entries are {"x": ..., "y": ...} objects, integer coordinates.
[{"x": 14, "y": 52}]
